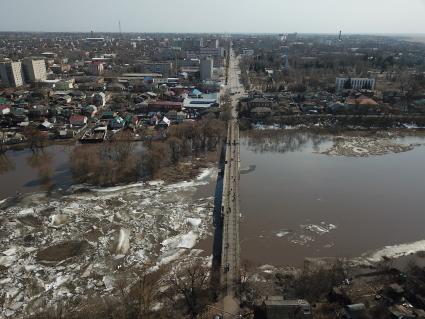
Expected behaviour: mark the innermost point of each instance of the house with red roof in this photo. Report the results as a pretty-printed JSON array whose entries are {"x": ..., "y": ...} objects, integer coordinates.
[
  {"x": 77, "y": 120},
  {"x": 4, "y": 109}
]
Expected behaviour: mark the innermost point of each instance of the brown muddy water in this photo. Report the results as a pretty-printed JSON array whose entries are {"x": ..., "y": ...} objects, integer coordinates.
[
  {"x": 24, "y": 171},
  {"x": 299, "y": 203}
]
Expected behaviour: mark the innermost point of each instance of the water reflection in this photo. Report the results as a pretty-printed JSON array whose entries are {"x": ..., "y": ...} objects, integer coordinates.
[
  {"x": 280, "y": 141},
  {"x": 42, "y": 162},
  {"x": 6, "y": 164}
]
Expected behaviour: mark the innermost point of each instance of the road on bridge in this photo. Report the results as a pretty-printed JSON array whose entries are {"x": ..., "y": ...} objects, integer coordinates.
[{"x": 230, "y": 260}]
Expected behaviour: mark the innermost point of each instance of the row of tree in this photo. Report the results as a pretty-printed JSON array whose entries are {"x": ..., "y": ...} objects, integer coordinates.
[{"x": 123, "y": 160}]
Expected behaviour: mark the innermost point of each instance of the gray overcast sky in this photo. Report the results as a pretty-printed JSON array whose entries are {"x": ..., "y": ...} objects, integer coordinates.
[{"x": 274, "y": 16}]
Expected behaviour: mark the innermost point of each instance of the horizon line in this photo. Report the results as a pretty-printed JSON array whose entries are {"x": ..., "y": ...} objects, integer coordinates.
[{"x": 223, "y": 33}]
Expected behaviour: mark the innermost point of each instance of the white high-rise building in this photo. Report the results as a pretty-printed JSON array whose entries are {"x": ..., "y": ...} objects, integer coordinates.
[
  {"x": 206, "y": 68},
  {"x": 11, "y": 73},
  {"x": 354, "y": 83},
  {"x": 34, "y": 70}
]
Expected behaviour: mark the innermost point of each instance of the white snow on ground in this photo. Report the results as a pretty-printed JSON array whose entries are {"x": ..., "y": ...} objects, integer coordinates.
[
  {"x": 164, "y": 223},
  {"x": 4, "y": 200},
  {"x": 396, "y": 251}
]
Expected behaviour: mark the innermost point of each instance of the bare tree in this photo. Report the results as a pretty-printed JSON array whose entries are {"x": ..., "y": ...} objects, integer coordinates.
[
  {"x": 190, "y": 283},
  {"x": 35, "y": 138}
]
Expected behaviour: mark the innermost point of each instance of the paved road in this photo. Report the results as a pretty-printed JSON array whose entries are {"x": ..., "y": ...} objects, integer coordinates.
[{"x": 230, "y": 259}]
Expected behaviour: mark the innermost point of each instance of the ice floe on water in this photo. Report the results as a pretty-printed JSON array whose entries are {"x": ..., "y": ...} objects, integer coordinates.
[
  {"x": 320, "y": 229},
  {"x": 283, "y": 233},
  {"x": 76, "y": 245},
  {"x": 208, "y": 172},
  {"x": 366, "y": 146},
  {"x": 306, "y": 233}
]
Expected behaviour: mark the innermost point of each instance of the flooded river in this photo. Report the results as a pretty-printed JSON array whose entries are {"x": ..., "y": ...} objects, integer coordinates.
[{"x": 299, "y": 203}]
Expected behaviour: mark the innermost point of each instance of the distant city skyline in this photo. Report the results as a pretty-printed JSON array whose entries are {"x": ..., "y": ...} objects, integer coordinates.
[{"x": 219, "y": 16}]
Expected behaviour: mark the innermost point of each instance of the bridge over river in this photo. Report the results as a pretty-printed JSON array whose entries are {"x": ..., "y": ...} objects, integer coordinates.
[{"x": 228, "y": 264}]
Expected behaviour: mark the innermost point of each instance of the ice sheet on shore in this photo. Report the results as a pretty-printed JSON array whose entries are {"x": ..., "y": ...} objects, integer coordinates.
[{"x": 396, "y": 251}]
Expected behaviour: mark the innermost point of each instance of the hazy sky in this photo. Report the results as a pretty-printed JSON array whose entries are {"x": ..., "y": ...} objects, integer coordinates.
[{"x": 262, "y": 16}]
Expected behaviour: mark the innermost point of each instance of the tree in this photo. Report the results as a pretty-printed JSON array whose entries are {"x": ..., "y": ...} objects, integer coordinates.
[
  {"x": 35, "y": 138},
  {"x": 191, "y": 283},
  {"x": 175, "y": 146}
]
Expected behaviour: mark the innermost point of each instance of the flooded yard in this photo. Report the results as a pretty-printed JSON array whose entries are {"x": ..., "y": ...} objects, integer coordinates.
[{"x": 319, "y": 195}]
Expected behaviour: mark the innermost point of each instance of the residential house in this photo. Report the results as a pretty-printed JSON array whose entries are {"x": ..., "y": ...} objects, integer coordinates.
[
  {"x": 355, "y": 311},
  {"x": 89, "y": 110},
  {"x": 259, "y": 102},
  {"x": 45, "y": 126},
  {"x": 260, "y": 112},
  {"x": 116, "y": 123},
  {"x": 99, "y": 99},
  {"x": 4, "y": 109},
  {"x": 78, "y": 120},
  {"x": 276, "y": 307},
  {"x": 175, "y": 116},
  {"x": 164, "y": 106}
]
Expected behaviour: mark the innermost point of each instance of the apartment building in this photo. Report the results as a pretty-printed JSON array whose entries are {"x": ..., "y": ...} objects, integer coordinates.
[
  {"x": 11, "y": 73},
  {"x": 34, "y": 70},
  {"x": 354, "y": 83}
]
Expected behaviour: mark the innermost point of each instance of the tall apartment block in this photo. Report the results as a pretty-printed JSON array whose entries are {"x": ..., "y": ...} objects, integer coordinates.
[
  {"x": 11, "y": 73},
  {"x": 34, "y": 70}
]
